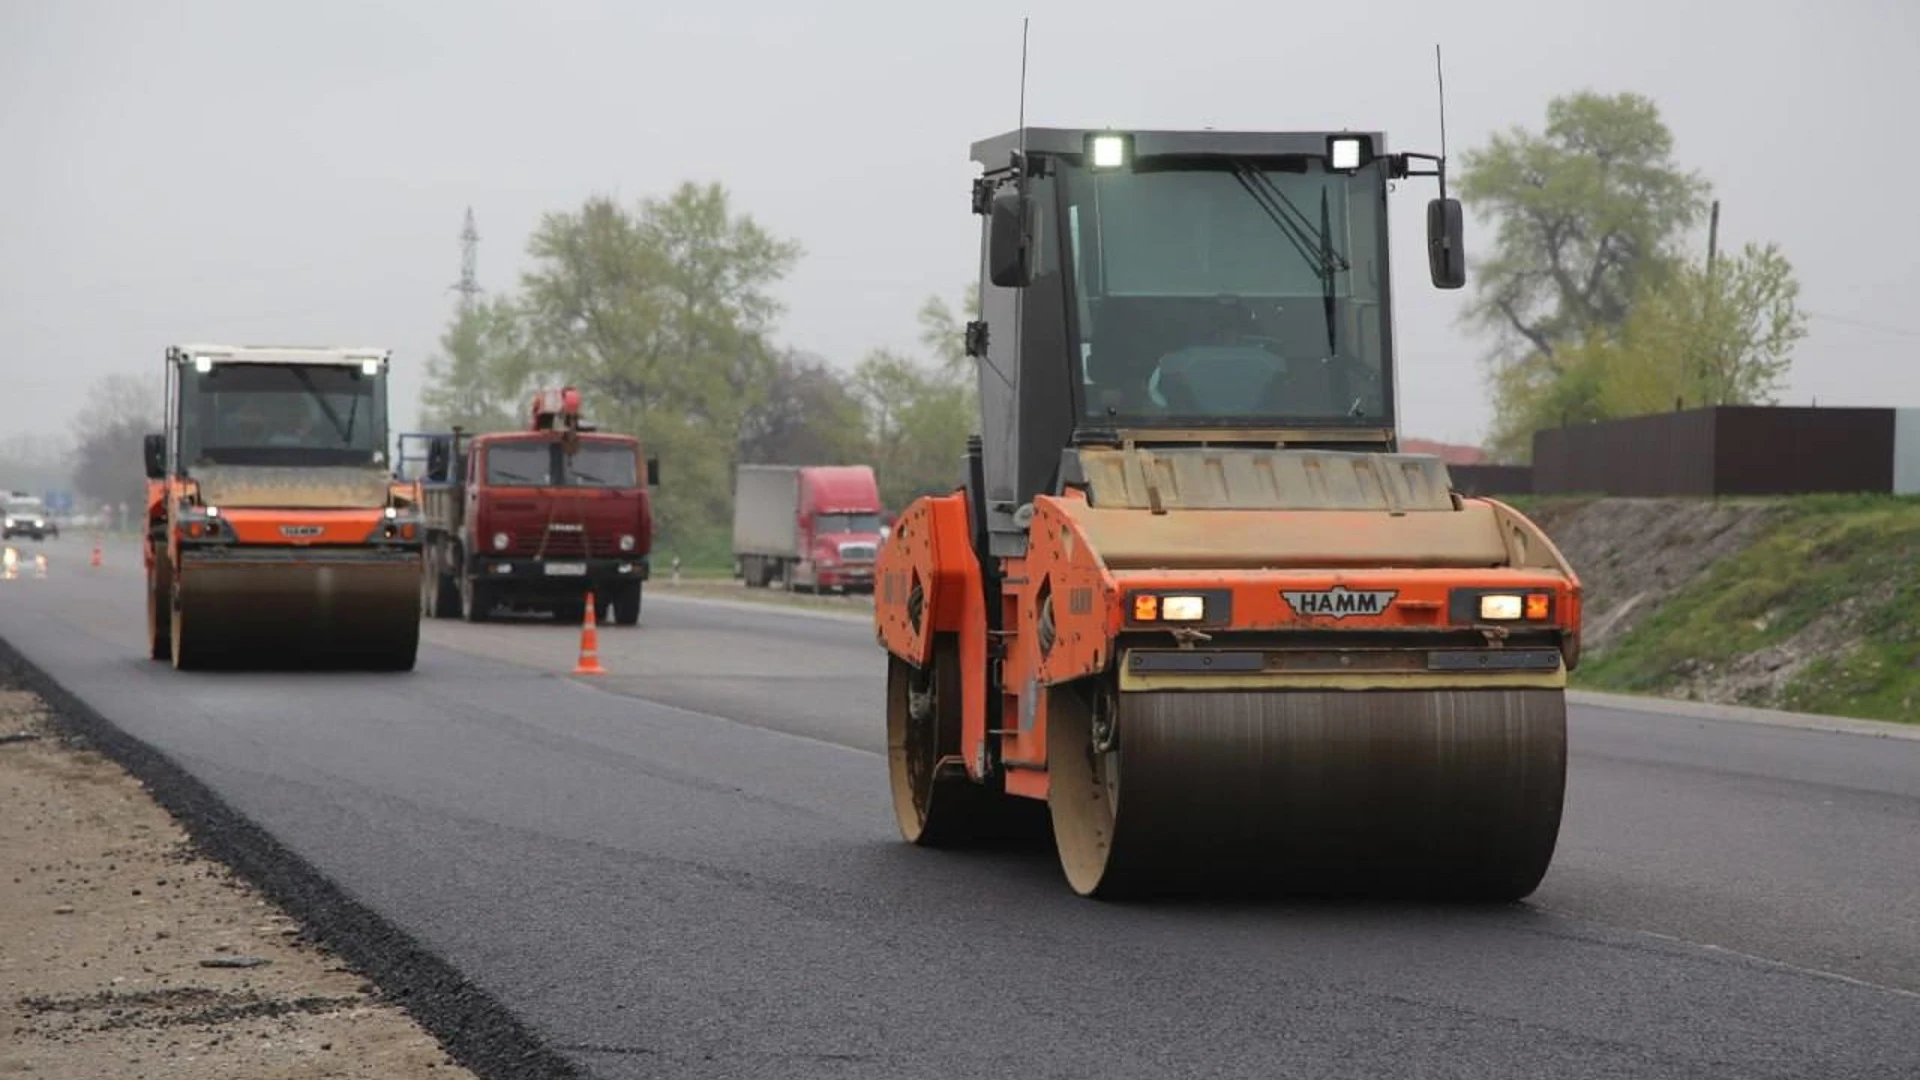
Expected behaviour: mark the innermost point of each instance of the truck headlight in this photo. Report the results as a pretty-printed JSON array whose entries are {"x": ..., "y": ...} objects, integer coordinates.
[
  {"x": 499, "y": 541},
  {"x": 626, "y": 543}
]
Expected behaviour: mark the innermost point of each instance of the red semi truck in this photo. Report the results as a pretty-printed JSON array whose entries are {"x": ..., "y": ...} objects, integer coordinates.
[
  {"x": 533, "y": 519},
  {"x": 808, "y": 527}
]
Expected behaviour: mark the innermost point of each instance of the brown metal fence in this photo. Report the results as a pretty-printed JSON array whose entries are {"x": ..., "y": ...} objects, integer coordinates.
[
  {"x": 1491, "y": 479},
  {"x": 1727, "y": 450}
]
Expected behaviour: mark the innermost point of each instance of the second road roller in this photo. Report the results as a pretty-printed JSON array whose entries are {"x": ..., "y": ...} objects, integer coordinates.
[
  {"x": 276, "y": 533},
  {"x": 1189, "y": 604}
]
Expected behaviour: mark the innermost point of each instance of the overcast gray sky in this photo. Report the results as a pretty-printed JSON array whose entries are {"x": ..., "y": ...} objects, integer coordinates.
[{"x": 263, "y": 170}]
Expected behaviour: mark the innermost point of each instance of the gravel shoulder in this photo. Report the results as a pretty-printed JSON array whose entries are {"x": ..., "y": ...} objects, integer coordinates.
[{"x": 124, "y": 954}]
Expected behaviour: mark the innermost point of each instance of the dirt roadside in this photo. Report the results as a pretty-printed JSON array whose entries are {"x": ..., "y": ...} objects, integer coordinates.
[{"x": 124, "y": 954}]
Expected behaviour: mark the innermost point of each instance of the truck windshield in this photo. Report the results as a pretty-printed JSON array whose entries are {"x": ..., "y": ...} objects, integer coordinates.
[
  {"x": 281, "y": 414},
  {"x": 542, "y": 463},
  {"x": 1229, "y": 291},
  {"x": 846, "y": 523},
  {"x": 528, "y": 463},
  {"x": 603, "y": 465}
]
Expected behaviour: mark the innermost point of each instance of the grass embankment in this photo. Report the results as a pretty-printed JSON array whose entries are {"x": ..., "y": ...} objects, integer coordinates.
[{"x": 1813, "y": 604}]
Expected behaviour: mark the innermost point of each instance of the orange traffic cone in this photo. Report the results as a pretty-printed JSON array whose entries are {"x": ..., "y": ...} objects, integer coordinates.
[
  {"x": 589, "y": 644},
  {"x": 96, "y": 551}
]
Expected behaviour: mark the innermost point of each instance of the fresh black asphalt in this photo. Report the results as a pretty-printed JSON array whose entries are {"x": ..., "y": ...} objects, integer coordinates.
[{"x": 689, "y": 869}]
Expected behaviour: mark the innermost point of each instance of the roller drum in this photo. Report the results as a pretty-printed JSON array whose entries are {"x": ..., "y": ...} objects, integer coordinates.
[
  {"x": 1453, "y": 793},
  {"x": 359, "y": 613}
]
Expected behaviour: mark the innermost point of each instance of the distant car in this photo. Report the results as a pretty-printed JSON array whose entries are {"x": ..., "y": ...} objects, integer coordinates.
[{"x": 25, "y": 519}]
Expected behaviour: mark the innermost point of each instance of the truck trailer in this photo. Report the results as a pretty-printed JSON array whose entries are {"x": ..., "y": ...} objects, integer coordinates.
[
  {"x": 807, "y": 527},
  {"x": 534, "y": 519}
]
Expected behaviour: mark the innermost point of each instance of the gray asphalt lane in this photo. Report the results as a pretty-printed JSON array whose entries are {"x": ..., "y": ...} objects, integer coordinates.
[{"x": 720, "y": 892}]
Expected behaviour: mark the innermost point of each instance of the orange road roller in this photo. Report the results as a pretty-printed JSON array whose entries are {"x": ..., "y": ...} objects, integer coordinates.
[{"x": 1188, "y": 603}]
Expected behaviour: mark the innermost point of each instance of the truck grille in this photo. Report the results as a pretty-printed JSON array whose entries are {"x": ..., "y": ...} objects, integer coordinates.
[
  {"x": 568, "y": 545},
  {"x": 857, "y": 552}
]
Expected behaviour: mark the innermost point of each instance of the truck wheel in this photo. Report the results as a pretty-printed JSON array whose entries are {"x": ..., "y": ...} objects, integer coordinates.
[
  {"x": 626, "y": 604},
  {"x": 439, "y": 590},
  {"x": 476, "y": 600}
]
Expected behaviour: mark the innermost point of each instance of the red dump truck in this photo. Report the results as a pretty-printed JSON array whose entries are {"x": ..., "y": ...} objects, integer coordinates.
[
  {"x": 533, "y": 519},
  {"x": 807, "y": 527}
]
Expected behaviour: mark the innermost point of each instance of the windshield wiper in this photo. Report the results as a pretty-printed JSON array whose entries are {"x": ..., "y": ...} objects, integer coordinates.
[
  {"x": 1292, "y": 222},
  {"x": 1326, "y": 279},
  {"x": 503, "y": 477},
  {"x": 306, "y": 379}
]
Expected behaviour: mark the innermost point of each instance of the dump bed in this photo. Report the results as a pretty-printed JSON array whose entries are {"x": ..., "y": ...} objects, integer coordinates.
[{"x": 766, "y": 511}]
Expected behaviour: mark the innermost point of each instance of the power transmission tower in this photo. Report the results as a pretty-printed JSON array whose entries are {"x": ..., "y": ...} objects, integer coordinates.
[{"x": 469, "y": 284}]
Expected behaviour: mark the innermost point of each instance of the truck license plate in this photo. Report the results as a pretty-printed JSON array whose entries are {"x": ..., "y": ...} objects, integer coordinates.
[{"x": 566, "y": 569}]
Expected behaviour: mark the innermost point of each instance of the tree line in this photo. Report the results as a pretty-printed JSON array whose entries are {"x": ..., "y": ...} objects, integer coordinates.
[{"x": 662, "y": 315}]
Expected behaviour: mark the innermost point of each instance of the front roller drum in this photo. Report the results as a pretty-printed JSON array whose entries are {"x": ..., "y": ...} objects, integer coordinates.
[
  {"x": 935, "y": 802},
  {"x": 1444, "y": 793},
  {"x": 297, "y": 615}
]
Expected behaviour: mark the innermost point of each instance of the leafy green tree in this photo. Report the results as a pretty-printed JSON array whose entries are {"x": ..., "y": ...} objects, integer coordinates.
[
  {"x": 806, "y": 414},
  {"x": 942, "y": 334},
  {"x": 1589, "y": 213},
  {"x": 1596, "y": 306},
  {"x": 919, "y": 413},
  {"x": 483, "y": 372},
  {"x": 1723, "y": 338},
  {"x": 662, "y": 316}
]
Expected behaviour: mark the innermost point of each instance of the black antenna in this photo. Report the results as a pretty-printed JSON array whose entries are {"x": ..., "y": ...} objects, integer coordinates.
[
  {"x": 1020, "y": 177},
  {"x": 1023, "y": 84},
  {"x": 1440, "y": 76}
]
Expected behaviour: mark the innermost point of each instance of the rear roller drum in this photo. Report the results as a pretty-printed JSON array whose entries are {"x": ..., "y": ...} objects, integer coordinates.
[
  {"x": 159, "y": 610},
  {"x": 934, "y": 801},
  {"x": 1448, "y": 794}
]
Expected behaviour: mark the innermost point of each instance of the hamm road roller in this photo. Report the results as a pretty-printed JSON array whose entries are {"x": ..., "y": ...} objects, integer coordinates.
[
  {"x": 276, "y": 533},
  {"x": 1190, "y": 604}
]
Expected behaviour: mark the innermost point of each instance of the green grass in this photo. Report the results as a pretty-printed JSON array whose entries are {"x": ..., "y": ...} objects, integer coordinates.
[{"x": 1821, "y": 552}]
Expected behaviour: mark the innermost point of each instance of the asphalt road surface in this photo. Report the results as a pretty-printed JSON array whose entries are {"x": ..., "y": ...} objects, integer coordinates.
[{"x": 689, "y": 868}]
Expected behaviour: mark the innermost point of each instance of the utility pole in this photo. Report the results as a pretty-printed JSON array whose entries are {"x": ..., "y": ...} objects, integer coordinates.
[
  {"x": 469, "y": 285},
  {"x": 1712, "y": 393},
  {"x": 1713, "y": 238}
]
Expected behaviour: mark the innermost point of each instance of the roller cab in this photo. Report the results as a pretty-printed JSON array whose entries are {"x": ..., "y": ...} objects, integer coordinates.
[
  {"x": 1188, "y": 596},
  {"x": 276, "y": 534}
]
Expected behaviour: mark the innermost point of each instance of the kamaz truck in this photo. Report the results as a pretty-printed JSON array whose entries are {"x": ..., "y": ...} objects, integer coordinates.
[{"x": 533, "y": 520}]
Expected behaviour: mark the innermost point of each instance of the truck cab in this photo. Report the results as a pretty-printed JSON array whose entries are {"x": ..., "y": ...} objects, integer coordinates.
[
  {"x": 815, "y": 527},
  {"x": 535, "y": 519}
]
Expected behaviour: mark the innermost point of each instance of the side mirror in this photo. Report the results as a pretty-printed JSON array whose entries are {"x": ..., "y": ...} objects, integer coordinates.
[
  {"x": 1446, "y": 254},
  {"x": 438, "y": 453},
  {"x": 653, "y": 472},
  {"x": 156, "y": 454},
  {"x": 1007, "y": 240}
]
